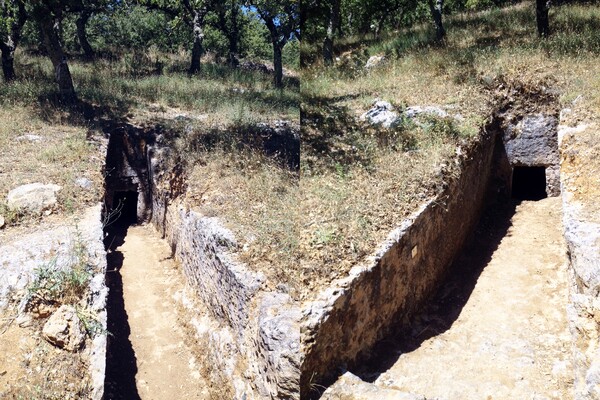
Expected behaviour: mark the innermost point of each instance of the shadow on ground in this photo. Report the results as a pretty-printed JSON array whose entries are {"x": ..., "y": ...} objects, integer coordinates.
[
  {"x": 446, "y": 306},
  {"x": 121, "y": 363}
]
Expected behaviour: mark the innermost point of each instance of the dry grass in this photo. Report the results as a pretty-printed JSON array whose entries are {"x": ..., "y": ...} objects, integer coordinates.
[
  {"x": 60, "y": 155},
  {"x": 479, "y": 47},
  {"x": 354, "y": 190},
  {"x": 345, "y": 216},
  {"x": 40, "y": 371},
  {"x": 258, "y": 200},
  {"x": 125, "y": 86}
]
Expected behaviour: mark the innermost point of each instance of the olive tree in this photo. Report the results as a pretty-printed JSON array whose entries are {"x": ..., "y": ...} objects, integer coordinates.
[
  {"x": 192, "y": 13},
  {"x": 48, "y": 14},
  {"x": 12, "y": 19},
  {"x": 541, "y": 13},
  {"x": 282, "y": 20},
  {"x": 229, "y": 23},
  {"x": 332, "y": 24}
]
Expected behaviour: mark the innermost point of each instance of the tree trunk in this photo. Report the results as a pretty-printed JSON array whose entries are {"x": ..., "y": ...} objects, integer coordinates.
[
  {"x": 8, "y": 60},
  {"x": 436, "y": 13},
  {"x": 234, "y": 35},
  {"x": 331, "y": 26},
  {"x": 541, "y": 13},
  {"x": 278, "y": 64},
  {"x": 198, "y": 32},
  {"x": 81, "y": 23},
  {"x": 380, "y": 24},
  {"x": 49, "y": 28},
  {"x": 9, "y": 45}
]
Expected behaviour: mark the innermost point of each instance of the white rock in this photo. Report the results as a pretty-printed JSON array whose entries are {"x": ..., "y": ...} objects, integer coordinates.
[
  {"x": 415, "y": 111},
  {"x": 84, "y": 183},
  {"x": 2, "y": 222},
  {"x": 375, "y": 61},
  {"x": 382, "y": 113},
  {"x": 24, "y": 320},
  {"x": 561, "y": 369},
  {"x": 34, "y": 197},
  {"x": 30, "y": 138},
  {"x": 64, "y": 329}
]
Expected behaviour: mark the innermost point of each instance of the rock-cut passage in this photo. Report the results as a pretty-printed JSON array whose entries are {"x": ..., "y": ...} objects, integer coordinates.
[
  {"x": 150, "y": 356},
  {"x": 498, "y": 328}
]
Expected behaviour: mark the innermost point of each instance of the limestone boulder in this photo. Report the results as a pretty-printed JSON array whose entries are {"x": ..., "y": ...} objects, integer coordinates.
[
  {"x": 415, "y": 111},
  {"x": 64, "y": 329},
  {"x": 382, "y": 113},
  {"x": 375, "y": 61},
  {"x": 29, "y": 138},
  {"x": 34, "y": 197},
  {"x": 351, "y": 387},
  {"x": 84, "y": 183}
]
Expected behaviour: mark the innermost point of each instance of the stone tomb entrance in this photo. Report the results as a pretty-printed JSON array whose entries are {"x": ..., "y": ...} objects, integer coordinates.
[
  {"x": 532, "y": 150},
  {"x": 128, "y": 195}
]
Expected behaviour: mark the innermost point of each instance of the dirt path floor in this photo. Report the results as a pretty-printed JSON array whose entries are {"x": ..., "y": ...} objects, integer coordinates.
[
  {"x": 160, "y": 357},
  {"x": 498, "y": 329}
]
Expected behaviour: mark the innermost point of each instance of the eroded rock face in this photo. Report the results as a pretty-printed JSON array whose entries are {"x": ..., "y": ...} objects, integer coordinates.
[
  {"x": 533, "y": 141},
  {"x": 345, "y": 321},
  {"x": 34, "y": 197},
  {"x": 253, "y": 328},
  {"x": 279, "y": 340},
  {"x": 64, "y": 329},
  {"x": 581, "y": 220},
  {"x": 350, "y": 387}
]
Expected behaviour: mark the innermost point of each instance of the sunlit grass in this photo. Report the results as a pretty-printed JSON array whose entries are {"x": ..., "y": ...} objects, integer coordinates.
[
  {"x": 354, "y": 188},
  {"x": 122, "y": 85}
]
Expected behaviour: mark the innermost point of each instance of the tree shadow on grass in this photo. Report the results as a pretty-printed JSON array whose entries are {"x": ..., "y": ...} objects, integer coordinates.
[
  {"x": 52, "y": 108},
  {"x": 332, "y": 138}
]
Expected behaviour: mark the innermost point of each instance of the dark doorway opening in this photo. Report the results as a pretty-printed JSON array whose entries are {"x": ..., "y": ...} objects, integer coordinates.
[
  {"x": 529, "y": 183},
  {"x": 125, "y": 206}
]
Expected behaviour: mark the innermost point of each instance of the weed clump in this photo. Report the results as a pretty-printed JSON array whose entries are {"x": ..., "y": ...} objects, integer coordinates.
[{"x": 64, "y": 281}]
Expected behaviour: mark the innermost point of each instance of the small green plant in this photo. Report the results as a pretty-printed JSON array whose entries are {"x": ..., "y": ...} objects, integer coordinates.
[
  {"x": 11, "y": 216},
  {"x": 62, "y": 284},
  {"x": 324, "y": 236},
  {"x": 440, "y": 129},
  {"x": 57, "y": 286},
  {"x": 91, "y": 323}
]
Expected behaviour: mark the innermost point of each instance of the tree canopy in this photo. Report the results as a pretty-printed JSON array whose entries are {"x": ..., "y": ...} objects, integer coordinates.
[{"x": 231, "y": 30}]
